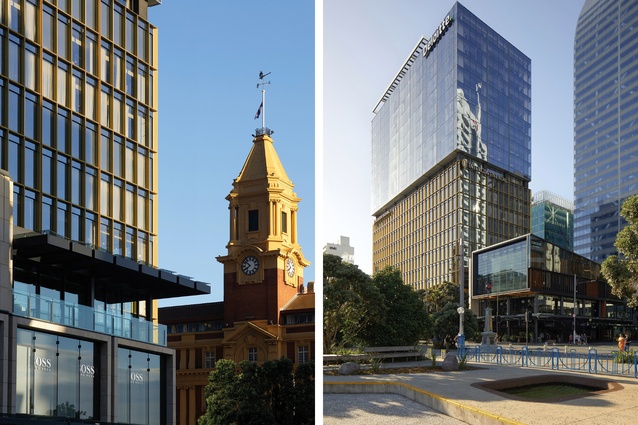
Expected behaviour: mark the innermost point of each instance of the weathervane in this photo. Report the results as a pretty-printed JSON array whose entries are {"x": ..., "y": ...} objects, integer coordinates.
[{"x": 262, "y": 108}]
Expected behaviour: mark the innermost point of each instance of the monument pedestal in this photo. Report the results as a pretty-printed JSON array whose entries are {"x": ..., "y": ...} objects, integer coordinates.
[
  {"x": 489, "y": 338},
  {"x": 488, "y": 342}
]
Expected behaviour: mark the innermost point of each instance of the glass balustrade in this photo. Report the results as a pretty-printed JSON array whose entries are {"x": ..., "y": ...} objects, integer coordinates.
[{"x": 124, "y": 325}]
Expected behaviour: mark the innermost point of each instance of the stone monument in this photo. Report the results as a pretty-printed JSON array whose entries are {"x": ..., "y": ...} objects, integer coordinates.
[{"x": 489, "y": 336}]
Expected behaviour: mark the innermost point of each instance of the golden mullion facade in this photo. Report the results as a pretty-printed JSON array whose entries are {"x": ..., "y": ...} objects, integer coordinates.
[
  {"x": 420, "y": 233},
  {"x": 78, "y": 127}
]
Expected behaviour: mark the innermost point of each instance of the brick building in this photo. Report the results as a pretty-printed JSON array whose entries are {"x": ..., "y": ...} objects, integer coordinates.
[{"x": 267, "y": 312}]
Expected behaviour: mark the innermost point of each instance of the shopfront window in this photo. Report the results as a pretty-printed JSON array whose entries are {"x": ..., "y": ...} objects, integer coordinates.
[
  {"x": 619, "y": 311},
  {"x": 138, "y": 386},
  {"x": 568, "y": 307},
  {"x": 521, "y": 305},
  {"x": 55, "y": 376},
  {"x": 548, "y": 304},
  {"x": 501, "y": 270}
]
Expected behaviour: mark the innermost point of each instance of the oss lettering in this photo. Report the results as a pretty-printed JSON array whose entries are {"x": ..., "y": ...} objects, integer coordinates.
[
  {"x": 87, "y": 369},
  {"x": 43, "y": 362},
  {"x": 137, "y": 377}
]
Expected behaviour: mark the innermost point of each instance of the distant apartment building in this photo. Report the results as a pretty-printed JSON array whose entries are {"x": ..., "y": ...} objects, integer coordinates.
[
  {"x": 451, "y": 151},
  {"x": 341, "y": 249},
  {"x": 605, "y": 122},
  {"x": 553, "y": 219}
]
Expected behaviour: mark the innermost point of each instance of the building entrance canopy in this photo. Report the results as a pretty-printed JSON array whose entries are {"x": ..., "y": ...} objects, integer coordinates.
[{"x": 123, "y": 278}]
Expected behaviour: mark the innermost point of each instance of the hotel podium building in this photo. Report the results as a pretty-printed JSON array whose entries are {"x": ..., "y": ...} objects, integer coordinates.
[
  {"x": 451, "y": 151},
  {"x": 563, "y": 292},
  {"x": 78, "y": 278}
]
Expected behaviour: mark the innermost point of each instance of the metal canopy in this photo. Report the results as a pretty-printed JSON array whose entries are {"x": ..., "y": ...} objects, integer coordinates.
[{"x": 116, "y": 274}]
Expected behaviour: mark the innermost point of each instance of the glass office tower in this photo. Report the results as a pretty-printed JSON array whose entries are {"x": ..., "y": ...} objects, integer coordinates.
[
  {"x": 78, "y": 216},
  {"x": 451, "y": 151},
  {"x": 77, "y": 128},
  {"x": 553, "y": 219},
  {"x": 605, "y": 122}
]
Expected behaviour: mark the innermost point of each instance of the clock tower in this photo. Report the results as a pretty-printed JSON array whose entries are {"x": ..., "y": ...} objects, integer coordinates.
[
  {"x": 263, "y": 268},
  {"x": 267, "y": 312}
]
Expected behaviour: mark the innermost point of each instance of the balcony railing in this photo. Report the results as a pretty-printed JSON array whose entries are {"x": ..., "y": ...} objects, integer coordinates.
[{"x": 123, "y": 325}]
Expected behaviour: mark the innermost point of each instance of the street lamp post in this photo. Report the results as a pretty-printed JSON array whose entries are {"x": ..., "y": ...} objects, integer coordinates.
[
  {"x": 461, "y": 309},
  {"x": 461, "y": 312},
  {"x": 574, "y": 334},
  {"x": 497, "y": 318},
  {"x": 527, "y": 326}
]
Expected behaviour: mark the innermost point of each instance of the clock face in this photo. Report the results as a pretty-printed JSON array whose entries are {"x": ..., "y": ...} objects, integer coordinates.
[
  {"x": 290, "y": 267},
  {"x": 250, "y": 265}
]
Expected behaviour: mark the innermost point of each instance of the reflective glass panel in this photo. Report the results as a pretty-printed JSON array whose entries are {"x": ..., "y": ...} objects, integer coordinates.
[{"x": 63, "y": 37}]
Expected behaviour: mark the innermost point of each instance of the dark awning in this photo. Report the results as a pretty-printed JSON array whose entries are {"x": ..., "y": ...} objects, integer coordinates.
[{"x": 117, "y": 274}]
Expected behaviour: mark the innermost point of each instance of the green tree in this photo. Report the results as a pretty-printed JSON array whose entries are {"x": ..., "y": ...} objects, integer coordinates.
[
  {"x": 446, "y": 322},
  {"x": 406, "y": 319},
  {"x": 279, "y": 390},
  {"x": 621, "y": 271},
  {"x": 438, "y": 296},
  {"x": 259, "y": 395},
  {"x": 304, "y": 397},
  {"x": 222, "y": 396},
  {"x": 351, "y": 302},
  {"x": 253, "y": 393}
]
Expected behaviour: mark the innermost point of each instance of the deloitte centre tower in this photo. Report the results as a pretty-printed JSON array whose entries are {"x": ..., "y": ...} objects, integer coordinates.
[{"x": 451, "y": 151}]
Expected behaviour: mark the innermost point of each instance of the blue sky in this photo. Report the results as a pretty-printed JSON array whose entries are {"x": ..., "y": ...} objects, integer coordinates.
[
  {"x": 210, "y": 55},
  {"x": 366, "y": 42}
]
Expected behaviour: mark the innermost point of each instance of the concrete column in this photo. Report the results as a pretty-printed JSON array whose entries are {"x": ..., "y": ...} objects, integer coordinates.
[
  {"x": 183, "y": 411},
  {"x": 234, "y": 222},
  {"x": 277, "y": 219},
  {"x": 192, "y": 398},
  {"x": 6, "y": 406},
  {"x": 108, "y": 380},
  {"x": 191, "y": 358},
  {"x": 6, "y": 240},
  {"x": 7, "y": 341},
  {"x": 182, "y": 359},
  {"x": 293, "y": 225},
  {"x": 272, "y": 219}
]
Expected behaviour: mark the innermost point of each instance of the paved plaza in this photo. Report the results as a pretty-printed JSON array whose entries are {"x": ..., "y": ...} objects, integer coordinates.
[
  {"x": 387, "y": 398},
  {"x": 380, "y": 409}
]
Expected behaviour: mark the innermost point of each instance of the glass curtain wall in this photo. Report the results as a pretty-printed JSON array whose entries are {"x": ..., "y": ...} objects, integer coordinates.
[
  {"x": 605, "y": 123},
  {"x": 451, "y": 151},
  {"x": 81, "y": 62},
  {"x": 56, "y": 376},
  {"x": 139, "y": 386}
]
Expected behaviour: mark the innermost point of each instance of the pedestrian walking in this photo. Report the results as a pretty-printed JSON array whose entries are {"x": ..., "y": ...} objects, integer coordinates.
[{"x": 621, "y": 342}]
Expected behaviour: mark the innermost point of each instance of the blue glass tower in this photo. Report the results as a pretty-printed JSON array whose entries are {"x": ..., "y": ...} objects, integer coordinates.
[
  {"x": 451, "y": 151},
  {"x": 605, "y": 122},
  {"x": 553, "y": 219}
]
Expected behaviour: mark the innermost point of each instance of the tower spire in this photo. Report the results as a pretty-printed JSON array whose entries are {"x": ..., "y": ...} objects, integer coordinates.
[{"x": 262, "y": 108}]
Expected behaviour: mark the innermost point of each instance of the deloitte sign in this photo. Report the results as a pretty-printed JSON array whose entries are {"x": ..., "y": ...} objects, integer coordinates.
[{"x": 437, "y": 35}]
